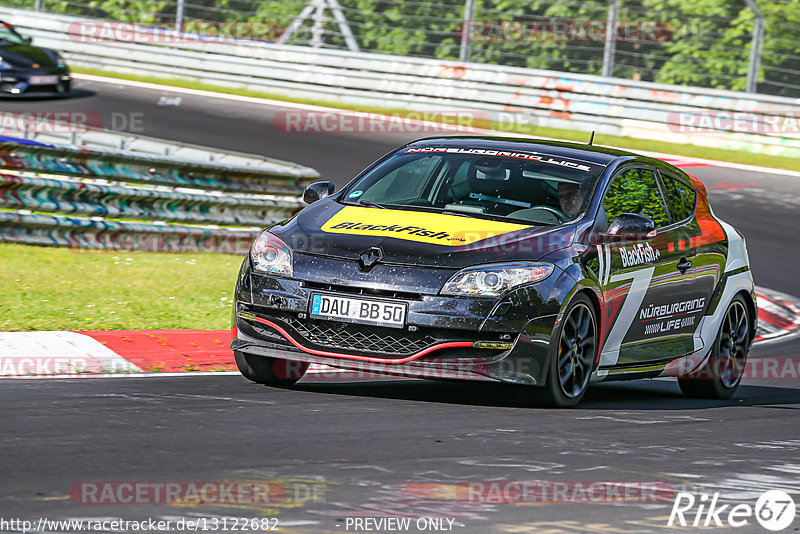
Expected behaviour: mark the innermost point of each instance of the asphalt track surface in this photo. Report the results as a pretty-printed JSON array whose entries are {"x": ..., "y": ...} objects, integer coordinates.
[{"x": 405, "y": 448}]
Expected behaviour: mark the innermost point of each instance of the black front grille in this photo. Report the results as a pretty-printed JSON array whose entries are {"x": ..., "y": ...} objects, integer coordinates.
[{"x": 360, "y": 338}]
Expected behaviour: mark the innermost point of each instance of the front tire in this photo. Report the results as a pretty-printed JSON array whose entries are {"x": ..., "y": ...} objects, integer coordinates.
[
  {"x": 269, "y": 371},
  {"x": 722, "y": 373},
  {"x": 572, "y": 353}
]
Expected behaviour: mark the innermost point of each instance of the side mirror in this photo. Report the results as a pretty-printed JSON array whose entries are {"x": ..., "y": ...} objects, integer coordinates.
[
  {"x": 318, "y": 190},
  {"x": 631, "y": 226},
  {"x": 28, "y": 40}
]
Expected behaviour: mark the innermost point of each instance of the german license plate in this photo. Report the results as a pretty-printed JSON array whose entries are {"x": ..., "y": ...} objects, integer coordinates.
[
  {"x": 43, "y": 80},
  {"x": 356, "y": 310}
]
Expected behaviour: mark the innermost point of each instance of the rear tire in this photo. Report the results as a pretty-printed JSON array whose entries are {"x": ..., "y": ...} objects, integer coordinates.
[
  {"x": 269, "y": 371},
  {"x": 573, "y": 348},
  {"x": 722, "y": 373}
]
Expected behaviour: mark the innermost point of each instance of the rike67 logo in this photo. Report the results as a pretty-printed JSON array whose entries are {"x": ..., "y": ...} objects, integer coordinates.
[{"x": 774, "y": 510}]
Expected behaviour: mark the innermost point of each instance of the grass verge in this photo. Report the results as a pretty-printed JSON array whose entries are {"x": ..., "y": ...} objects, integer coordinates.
[
  {"x": 50, "y": 288},
  {"x": 733, "y": 156}
]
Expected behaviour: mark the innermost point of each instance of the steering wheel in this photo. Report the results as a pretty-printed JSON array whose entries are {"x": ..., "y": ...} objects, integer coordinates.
[{"x": 559, "y": 215}]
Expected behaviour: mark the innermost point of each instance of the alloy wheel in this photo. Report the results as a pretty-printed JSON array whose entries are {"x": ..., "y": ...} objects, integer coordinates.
[
  {"x": 577, "y": 349},
  {"x": 733, "y": 345}
]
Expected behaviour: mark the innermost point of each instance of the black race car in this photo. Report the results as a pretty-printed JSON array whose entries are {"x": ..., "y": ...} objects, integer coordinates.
[
  {"x": 542, "y": 263},
  {"x": 29, "y": 70}
]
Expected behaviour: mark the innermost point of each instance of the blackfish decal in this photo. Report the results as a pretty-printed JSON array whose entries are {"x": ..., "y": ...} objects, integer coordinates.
[{"x": 435, "y": 228}]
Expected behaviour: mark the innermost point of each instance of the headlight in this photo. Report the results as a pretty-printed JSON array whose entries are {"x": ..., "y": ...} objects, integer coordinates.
[
  {"x": 494, "y": 280},
  {"x": 5, "y": 65},
  {"x": 271, "y": 255},
  {"x": 55, "y": 56}
]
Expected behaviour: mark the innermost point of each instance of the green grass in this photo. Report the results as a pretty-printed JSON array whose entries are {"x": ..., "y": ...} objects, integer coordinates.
[
  {"x": 733, "y": 156},
  {"x": 49, "y": 288}
]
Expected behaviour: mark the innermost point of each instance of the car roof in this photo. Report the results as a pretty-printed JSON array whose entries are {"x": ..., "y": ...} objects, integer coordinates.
[{"x": 594, "y": 154}]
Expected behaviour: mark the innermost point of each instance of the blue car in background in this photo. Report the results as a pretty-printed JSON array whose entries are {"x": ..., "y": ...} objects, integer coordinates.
[{"x": 28, "y": 70}]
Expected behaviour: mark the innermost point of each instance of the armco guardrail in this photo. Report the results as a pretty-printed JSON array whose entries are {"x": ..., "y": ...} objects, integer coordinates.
[
  {"x": 72, "y": 180},
  {"x": 121, "y": 202},
  {"x": 552, "y": 99},
  {"x": 152, "y": 170},
  {"x": 89, "y": 234},
  {"x": 44, "y": 131}
]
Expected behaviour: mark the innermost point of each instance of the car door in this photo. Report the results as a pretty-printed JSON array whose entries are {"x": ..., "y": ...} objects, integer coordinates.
[
  {"x": 646, "y": 280},
  {"x": 704, "y": 246}
]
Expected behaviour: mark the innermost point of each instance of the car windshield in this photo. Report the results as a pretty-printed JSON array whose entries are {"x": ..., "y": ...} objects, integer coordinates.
[
  {"x": 9, "y": 36},
  {"x": 530, "y": 187}
]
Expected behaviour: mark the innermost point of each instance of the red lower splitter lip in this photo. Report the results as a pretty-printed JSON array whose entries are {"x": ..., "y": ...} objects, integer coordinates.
[{"x": 420, "y": 354}]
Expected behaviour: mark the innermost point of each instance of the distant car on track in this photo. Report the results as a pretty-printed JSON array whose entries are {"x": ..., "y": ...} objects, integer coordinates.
[
  {"x": 541, "y": 263},
  {"x": 27, "y": 70}
]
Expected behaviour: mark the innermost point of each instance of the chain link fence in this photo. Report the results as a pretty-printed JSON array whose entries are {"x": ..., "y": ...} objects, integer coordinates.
[{"x": 743, "y": 45}]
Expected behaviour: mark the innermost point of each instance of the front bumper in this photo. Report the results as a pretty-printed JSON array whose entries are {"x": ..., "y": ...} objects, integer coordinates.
[
  {"x": 506, "y": 340},
  {"x": 19, "y": 82}
]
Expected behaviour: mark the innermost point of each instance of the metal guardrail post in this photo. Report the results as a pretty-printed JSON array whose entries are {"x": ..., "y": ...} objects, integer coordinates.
[
  {"x": 755, "y": 47},
  {"x": 611, "y": 38},
  {"x": 317, "y": 29},
  {"x": 466, "y": 33},
  {"x": 179, "y": 9},
  {"x": 296, "y": 23},
  {"x": 37, "y": 5},
  {"x": 344, "y": 27},
  {"x": 315, "y": 10}
]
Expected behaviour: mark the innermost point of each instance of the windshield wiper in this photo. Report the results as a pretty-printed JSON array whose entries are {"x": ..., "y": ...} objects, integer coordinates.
[
  {"x": 368, "y": 204},
  {"x": 456, "y": 213}
]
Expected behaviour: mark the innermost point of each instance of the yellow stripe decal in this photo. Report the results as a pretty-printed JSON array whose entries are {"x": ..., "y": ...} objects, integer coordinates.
[{"x": 436, "y": 228}]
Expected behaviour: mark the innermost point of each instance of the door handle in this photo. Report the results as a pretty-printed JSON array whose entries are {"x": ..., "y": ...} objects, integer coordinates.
[{"x": 684, "y": 265}]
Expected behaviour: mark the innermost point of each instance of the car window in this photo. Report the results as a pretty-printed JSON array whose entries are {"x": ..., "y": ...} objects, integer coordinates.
[
  {"x": 635, "y": 190},
  {"x": 522, "y": 186},
  {"x": 680, "y": 198},
  {"x": 404, "y": 183},
  {"x": 9, "y": 36}
]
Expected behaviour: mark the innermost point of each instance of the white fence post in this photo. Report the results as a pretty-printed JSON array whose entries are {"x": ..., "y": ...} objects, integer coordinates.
[
  {"x": 755, "y": 47},
  {"x": 179, "y": 9},
  {"x": 611, "y": 38},
  {"x": 466, "y": 33}
]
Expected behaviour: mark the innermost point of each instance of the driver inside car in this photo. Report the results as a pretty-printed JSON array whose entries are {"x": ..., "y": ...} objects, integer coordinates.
[{"x": 570, "y": 198}]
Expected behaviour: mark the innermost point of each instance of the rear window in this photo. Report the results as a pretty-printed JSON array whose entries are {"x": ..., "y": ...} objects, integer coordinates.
[{"x": 680, "y": 199}]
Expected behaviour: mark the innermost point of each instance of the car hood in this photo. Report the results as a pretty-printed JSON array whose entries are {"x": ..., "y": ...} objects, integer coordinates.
[
  {"x": 417, "y": 238},
  {"x": 25, "y": 56}
]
